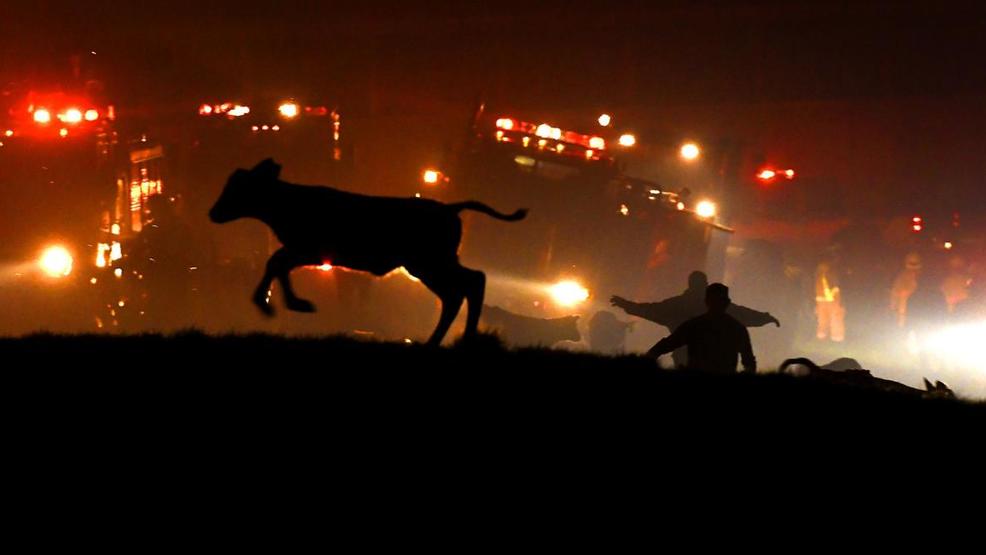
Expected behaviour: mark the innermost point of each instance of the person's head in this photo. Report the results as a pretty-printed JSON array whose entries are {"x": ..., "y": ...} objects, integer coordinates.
[
  {"x": 912, "y": 261},
  {"x": 717, "y": 297},
  {"x": 697, "y": 280}
]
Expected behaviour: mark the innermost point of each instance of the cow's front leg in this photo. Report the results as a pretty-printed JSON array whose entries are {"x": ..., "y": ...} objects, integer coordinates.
[
  {"x": 279, "y": 266},
  {"x": 261, "y": 295}
]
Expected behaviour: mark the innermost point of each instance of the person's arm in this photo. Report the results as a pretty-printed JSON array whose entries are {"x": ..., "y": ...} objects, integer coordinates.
[
  {"x": 647, "y": 311},
  {"x": 746, "y": 354},
  {"x": 677, "y": 339},
  {"x": 751, "y": 318}
]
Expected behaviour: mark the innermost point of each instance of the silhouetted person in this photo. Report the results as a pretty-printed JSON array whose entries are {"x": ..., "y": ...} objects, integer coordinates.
[
  {"x": 829, "y": 310},
  {"x": 904, "y": 286},
  {"x": 715, "y": 340},
  {"x": 674, "y": 311}
]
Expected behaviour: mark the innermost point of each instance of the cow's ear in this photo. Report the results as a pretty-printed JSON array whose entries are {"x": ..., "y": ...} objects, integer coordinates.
[
  {"x": 927, "y": 385},
  {"x": 267, "y": 169}
]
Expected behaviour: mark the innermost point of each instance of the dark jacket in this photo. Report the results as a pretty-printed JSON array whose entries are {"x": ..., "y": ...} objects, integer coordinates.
[{"x": 714, "y": 341}]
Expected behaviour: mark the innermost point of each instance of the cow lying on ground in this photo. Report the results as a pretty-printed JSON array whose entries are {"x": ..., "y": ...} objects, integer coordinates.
[
  {"x": 319, "y": 225},
  {"x": 527, "y": 331},
  {"x": 846, "y": 371}
]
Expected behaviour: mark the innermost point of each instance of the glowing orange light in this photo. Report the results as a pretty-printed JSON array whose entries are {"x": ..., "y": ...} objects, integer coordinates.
[
  {"x": 505, "y": 123},
  {"x": 597, "y": 143},
  {"x": 689, "y": 151},
  {"x": 275, "y": 128},
  {"x": 63, "y": 132},
  {"x": 588, "y": 154},
  {"x": 238, "y": 111},
  {"x": 9, "y": 133},
  {"x": 625, "y": 210},
  {"x": 325, "y": 267},
  {"x": 42, "y": 116},
  {"x": 917, "y": 227},
  {"x": 789, "y": 174},
  {"x": 948, "y": 245},
  {"x": 568, "y": 293},
  {"x": 92, "y": 115},
  {"x": 680, "y": 206},
  {"x": 767, "y": 175},
  {"x": 205, "y": 110},
  {"x": 289, "y": 109},
  {"x": 499, "y": 135},
  {"x": 526, "y": 141},
  {"x": 705, "y": 209},
  {"x": 627, "y": 140},
  {"x": 559, "y": 147},
  {"x": 431, "y": 176},
  {"x": 118, "y": 272},
  {"x": 543, "y": 131},
  {"x": 604, "y": 120},
  {"x": 255, "y": 128},
  {"x": 56, "y": 261},
  {"x": 542, "y": 143}
]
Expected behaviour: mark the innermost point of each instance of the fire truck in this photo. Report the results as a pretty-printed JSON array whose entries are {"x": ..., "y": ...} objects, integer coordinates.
[
  {"x": 191, "y": 272},
  {"x": 593, "y": 229},
  {"x": 61, "y": 166}
]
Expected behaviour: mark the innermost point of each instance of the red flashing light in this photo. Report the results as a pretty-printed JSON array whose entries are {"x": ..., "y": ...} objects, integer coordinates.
[
  {"x": 917, "y": 223},
  {"x": 789, "y": 174},
  {"x": 766, "y": 175},
  {"x": 92, "y": 115},
  {"x": 205, "y": 110}
]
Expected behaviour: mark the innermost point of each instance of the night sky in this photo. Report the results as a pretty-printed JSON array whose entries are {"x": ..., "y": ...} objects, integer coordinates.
[{"x": 880, "y": 101}]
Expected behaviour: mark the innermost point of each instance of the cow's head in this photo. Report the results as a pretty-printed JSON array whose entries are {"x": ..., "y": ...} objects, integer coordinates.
[{"x": 245, "y": 190}]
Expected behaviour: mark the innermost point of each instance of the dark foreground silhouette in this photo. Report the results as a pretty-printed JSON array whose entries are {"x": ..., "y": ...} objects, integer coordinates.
[
  {"x": 848, "y": 372},
  {"x": 714, "y": 340},
  {"x": 320, "y": 225},
  {"x": 338, "y": 381}
]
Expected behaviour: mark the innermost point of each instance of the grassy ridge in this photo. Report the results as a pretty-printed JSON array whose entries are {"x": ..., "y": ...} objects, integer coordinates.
[{"x": 214, "y": 373}]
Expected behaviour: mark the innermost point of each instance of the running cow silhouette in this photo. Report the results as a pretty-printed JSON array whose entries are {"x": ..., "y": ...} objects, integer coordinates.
[{"x": 318, "y": 225}]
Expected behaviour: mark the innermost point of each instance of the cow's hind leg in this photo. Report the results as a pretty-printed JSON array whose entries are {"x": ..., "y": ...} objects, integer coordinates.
[
  {"x": 446, "y": 284},
  {"x": 474, "y": 283}
]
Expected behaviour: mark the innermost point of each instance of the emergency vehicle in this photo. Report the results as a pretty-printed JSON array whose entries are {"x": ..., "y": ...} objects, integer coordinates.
[
  {"x": 593, "y": 229},
  {"x": 61, "y": 166}
]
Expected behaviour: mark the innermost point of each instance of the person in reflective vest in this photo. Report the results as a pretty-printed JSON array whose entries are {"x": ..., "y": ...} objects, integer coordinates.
[{"x": 829, "y": 311}]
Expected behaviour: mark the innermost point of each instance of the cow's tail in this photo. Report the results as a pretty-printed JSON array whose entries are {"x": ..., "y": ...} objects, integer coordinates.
[{"x": 480, "y": 207}]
